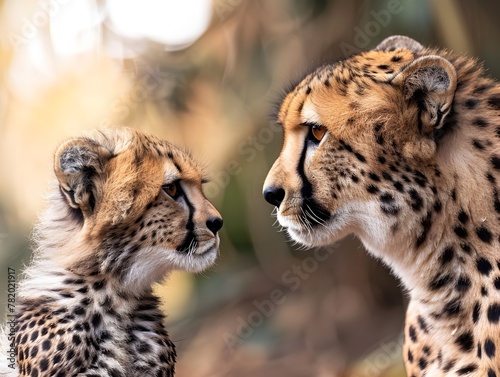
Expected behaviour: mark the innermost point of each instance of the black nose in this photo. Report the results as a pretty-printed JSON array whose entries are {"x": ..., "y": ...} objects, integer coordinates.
[
  {"x": 274, "y": 195},
  {"x": 214, "y": 224}
]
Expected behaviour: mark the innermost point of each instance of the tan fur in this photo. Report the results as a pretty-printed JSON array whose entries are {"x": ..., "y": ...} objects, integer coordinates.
[
  {"x": 410, "y": 164},
  {"x": 85, "y": 306}
]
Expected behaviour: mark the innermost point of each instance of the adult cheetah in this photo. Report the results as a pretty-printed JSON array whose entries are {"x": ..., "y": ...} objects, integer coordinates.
[
  {"x": 127, "y": 209},
  {"x": 400, "y": 146}
]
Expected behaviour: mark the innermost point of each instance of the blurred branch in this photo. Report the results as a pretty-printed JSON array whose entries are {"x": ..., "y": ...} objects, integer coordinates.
[{"x": 452, "y": 26}]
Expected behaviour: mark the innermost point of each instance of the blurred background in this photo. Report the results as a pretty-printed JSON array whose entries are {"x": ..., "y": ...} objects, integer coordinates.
[{"x": 207, "y": 74}]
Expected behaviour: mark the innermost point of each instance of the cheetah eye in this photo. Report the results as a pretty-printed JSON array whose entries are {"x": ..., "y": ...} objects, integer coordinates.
[
  {"x": 318, "y": 131},
  {"x": 172, "y": 189}
]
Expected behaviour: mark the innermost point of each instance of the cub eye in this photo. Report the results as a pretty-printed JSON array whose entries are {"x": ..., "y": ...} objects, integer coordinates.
[
  {"x": 171, "y": 189},
  {"x": 318, "y": 131}
]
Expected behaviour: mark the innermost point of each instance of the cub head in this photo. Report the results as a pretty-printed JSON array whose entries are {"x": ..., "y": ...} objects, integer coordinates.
[
  {"x": 135, "y": 205},
  {"x": 359, "y": 146}
]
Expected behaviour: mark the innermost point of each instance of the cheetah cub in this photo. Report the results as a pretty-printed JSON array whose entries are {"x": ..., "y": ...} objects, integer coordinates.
[
  {"x": 128, "y": 209},
  {"x": 400, "y": 146}
]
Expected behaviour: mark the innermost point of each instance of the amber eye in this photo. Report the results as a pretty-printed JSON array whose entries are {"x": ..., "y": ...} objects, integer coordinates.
[
  {"x": 171, "y": 189},
  {"x": 318, "y": 131}
]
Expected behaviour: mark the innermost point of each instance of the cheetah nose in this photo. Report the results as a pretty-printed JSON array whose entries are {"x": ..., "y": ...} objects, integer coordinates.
[
  {"x": 274, "y": 195},
  {"x": 214, "y": 224}
]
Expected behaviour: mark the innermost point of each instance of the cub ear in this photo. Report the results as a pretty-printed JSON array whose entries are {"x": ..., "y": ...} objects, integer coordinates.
[
  {"x": 429, "y": 83},
  {"x": 79, "y": 167},
  {"x": 399, "y": 41}
]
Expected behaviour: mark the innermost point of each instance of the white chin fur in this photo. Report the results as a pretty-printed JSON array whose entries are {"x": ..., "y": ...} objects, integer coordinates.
[
  {"x": 311, "y": 238},
  {"x": 153, "y": 263},
  {"x": 203, "y": 257},
  {"x": 318, "y": 235}
]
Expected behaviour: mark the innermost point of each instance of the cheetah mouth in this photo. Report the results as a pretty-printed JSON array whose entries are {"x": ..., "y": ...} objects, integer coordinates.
[
  {"x": 198, "y": 243},
  {"x": 204, "y": 235},
  {"x": 321, "y": 233},
  {"x": 188, "y": 244},
  {"x": 308, "y": 214},
  {"x": 207, "y": 247}
]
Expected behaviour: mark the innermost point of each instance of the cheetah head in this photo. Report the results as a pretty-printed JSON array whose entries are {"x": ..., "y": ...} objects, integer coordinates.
[
  {"x": 358, "y": 134},
  {"x": 136, "y": 208}
]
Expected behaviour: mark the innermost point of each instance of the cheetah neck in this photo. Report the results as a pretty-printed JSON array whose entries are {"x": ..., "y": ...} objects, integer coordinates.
[
  {"x": 453, "y": 279},
  {"x": 93, "y": 318},
  {"x": 454, "y": 312}
]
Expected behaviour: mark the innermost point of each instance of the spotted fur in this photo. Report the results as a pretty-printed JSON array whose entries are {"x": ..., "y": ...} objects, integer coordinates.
[
  {"x": 410, "y": 163},
  {"x": 128, "y": 209}
]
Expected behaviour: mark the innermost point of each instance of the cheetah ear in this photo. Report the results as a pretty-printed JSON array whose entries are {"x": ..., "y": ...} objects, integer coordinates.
[
  {"x": 399, "y": 41},
  {"x": 79, "y": 167},
  {"x": 429, "y": 83}
]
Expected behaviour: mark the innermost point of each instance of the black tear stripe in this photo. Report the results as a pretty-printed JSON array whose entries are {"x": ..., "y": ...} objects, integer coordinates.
[
  {"x": 319, "y": 213},
  {"x": 190, "y": 238}
]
